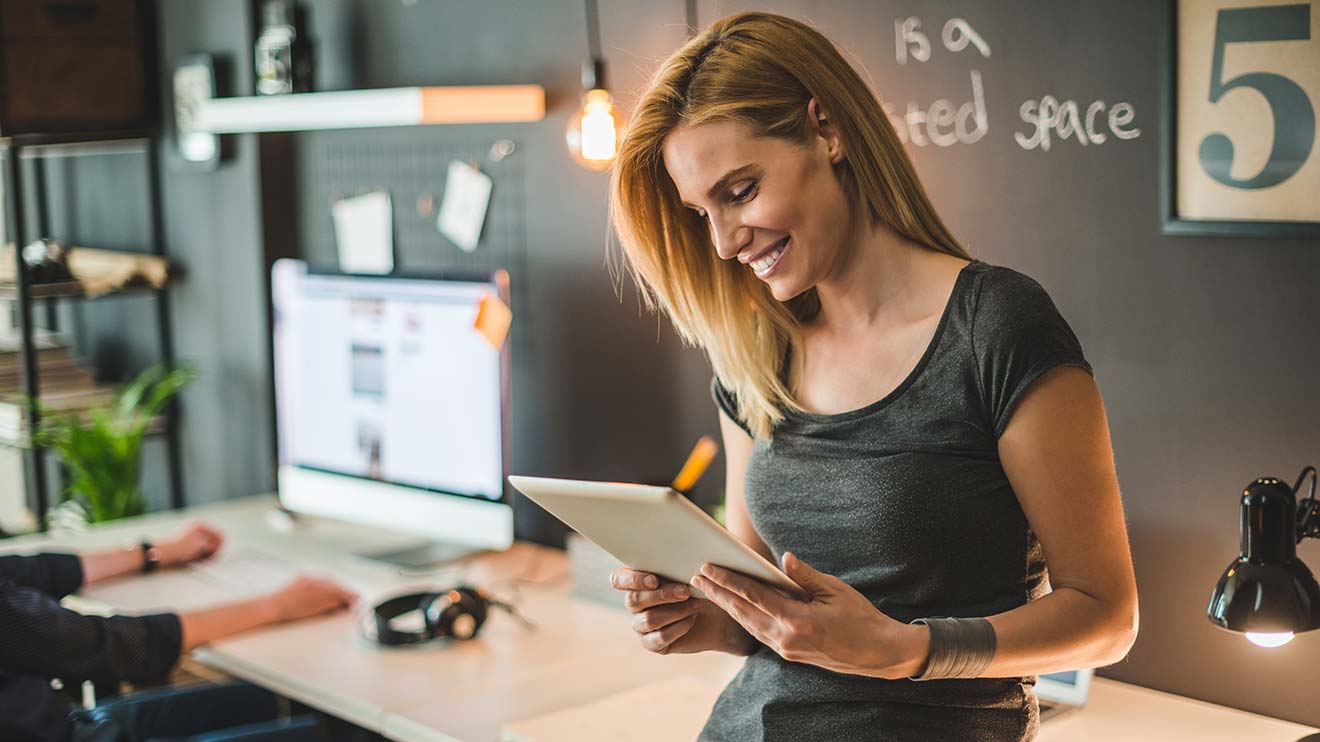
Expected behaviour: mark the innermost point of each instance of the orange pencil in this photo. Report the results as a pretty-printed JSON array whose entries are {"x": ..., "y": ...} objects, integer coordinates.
[{"x": 697, "y": 461}]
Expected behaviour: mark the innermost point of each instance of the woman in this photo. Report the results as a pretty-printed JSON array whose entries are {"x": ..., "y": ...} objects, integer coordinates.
[{"x": 912, "y": 434}]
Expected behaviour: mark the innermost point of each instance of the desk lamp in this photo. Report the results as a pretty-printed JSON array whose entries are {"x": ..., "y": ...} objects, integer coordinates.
[{"x": 1267, "y": 592}]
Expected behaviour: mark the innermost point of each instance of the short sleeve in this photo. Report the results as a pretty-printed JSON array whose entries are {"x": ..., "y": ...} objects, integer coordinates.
[
  {"x": 1018, "y": 336},
  {"x": 725, "y": 401}
]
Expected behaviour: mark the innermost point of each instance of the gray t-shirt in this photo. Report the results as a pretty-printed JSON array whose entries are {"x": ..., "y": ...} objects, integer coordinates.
[{"x": 905, "y": 500}]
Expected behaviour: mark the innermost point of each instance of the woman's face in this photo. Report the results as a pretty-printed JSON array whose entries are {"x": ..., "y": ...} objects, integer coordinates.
[{"x": 775, "y": 206}]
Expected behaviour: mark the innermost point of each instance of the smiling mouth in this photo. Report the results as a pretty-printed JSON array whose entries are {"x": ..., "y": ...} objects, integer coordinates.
[{"x": 765, "y": 264}]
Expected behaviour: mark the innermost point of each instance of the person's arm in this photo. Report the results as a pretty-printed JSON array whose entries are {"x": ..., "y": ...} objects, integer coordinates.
[
  {"x": 54, "y": 575},
  {"x": 303, "y": 598},
  {"x": 44, "y": 639},
  {"x": 197, "y": 541},
  {"x": 1058, "y": 457},
  {"x": 737, "y": 450}
]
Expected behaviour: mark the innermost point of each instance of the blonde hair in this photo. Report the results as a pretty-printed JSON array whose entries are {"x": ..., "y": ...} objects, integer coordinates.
[{"x": 758, "y": 70}]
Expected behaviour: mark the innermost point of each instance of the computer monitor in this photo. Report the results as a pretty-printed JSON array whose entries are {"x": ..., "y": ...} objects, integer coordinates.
[
  {"x": 1059, "y": 692},
  {"x": 392, "y": 407}
]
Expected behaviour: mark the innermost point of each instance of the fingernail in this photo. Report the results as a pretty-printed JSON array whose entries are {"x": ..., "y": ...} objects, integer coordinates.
[
  {"x": 707, "y": 570},
  {"x": 695, "y": 580},
  {"x": 651, "y": 581},
  {"x": 681, "y": 592}
]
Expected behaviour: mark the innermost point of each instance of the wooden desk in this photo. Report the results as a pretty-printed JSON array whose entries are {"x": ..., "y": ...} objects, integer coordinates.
[
  {"x": 1119, "y": 712},
  {"x": 438, "y": 691},
  {"x": 580, "y": 652}
]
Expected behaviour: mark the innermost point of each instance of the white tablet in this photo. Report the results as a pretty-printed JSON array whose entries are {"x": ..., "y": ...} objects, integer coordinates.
[{"x": 651, "y": 529}]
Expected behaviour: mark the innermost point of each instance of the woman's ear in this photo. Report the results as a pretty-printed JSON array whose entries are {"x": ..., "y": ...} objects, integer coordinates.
[{"x": 826, "y": 131}]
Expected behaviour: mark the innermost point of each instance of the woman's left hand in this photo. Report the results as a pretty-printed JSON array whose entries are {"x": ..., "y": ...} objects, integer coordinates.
[{"x": 837, "y": 628}]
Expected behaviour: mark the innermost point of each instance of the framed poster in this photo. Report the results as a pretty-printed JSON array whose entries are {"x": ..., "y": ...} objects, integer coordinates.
[{"x": 1241, "y": 93}]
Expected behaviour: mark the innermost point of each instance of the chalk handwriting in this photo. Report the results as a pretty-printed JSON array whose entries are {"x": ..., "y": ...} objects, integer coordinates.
[
  {"x": 965, "y": 35},
  {"x": 1048, "y": 117},
  {"x": 907, "y": 34},
  {"x": 943, "y": 124},
  {"x": 909, "y": 40}
]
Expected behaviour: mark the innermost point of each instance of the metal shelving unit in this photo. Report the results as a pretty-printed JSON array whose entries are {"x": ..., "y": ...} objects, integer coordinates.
[{"x": 25, "y": 295}]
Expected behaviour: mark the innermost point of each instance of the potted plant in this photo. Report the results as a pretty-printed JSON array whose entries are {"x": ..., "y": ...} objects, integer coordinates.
[{"x": 102, "y": 446}]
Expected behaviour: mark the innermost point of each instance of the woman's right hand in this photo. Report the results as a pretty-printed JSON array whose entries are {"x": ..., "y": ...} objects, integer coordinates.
[
  {"x": 670, "y": 620},
  {"x": 303, "y": 598}
]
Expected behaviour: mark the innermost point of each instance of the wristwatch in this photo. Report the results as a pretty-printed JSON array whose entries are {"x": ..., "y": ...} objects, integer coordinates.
[{"x": 150, "y": 557}]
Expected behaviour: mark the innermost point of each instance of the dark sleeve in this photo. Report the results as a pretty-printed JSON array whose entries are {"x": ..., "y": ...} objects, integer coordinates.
[
  {"x": 56, "y": 575},
  {"x": 725, "y": 401},
  {"x": 1017, "y": 336},
  {"x": 40, "y": 637}
]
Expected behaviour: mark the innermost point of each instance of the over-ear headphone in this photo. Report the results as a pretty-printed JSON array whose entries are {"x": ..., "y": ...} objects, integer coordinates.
[{"x": 457, "y": 613}]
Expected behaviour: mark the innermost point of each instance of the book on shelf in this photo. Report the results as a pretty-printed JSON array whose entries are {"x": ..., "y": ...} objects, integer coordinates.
[
  {"x": 49, "y": 348},
  {"x": 41, "y": 338},
  {"x": 71, "y": 374},
  {"x": 58, "y": 368},
  {"x": 13, "y": 410}
]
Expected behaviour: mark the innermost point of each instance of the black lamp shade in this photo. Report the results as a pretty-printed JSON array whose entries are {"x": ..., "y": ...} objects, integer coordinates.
[{"x": 1267, "y": 588}]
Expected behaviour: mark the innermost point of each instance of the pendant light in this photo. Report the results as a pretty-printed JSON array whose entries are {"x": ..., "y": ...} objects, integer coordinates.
[{"x": 595, "y": 129}]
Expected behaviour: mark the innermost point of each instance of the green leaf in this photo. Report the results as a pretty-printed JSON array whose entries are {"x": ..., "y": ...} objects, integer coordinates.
[{"x": 102, "y": 447}]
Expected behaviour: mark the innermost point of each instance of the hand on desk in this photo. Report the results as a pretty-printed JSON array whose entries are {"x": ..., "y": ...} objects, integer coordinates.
[
  {"x": 670, "y": 620},
  {"x": 305, "y": 597},
  {"x": 196, "y": 542}
]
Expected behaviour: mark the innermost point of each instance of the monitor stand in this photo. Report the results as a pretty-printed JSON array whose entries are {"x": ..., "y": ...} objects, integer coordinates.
[{"x": 425, "y": 556}]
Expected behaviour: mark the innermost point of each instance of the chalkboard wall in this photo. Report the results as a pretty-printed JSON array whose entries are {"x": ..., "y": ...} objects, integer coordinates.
[{"x": 1204, "y": 347}]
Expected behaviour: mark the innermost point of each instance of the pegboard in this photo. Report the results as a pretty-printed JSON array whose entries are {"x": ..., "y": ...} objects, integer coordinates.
[{"x": 412, "y": 165}]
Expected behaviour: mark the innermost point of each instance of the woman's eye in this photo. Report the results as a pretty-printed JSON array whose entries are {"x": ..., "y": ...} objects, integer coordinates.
[{"x": 742, "y": 195}]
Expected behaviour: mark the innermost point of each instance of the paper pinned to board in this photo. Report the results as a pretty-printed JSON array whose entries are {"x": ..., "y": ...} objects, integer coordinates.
[
  {"x": 463, "y": 212},
  {"x": 364, "y": 233},
  {"x": 493, "y": 320}
]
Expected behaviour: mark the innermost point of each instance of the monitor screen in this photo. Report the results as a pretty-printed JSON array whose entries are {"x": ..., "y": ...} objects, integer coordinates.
[
  {"x": 1067, "y": 678},
  {"x": 388, "y": 379}
]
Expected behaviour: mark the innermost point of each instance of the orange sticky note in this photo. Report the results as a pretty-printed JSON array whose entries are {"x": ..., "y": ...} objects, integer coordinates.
[{"x": 493, "y": 319}]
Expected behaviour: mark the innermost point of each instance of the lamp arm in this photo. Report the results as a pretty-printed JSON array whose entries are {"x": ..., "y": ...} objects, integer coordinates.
[{"x": 1308, "y": 510}]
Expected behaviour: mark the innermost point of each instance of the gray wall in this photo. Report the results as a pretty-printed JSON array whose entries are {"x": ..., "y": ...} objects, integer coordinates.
[
  {"x": 1176, "y": 327},
  {"x": 213, "y": 226}
]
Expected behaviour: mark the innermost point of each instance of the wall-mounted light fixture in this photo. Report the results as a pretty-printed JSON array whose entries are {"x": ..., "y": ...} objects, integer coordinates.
[
  {"x": 595, "y": 129},
  {"x": 1268, "y": 593}
]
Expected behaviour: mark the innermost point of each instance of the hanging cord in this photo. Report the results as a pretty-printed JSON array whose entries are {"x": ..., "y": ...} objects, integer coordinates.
[
  {"x": 593, "y": 30},
  {"x": 1308, "y": 511},
  {"x": 690, "y": 17}
]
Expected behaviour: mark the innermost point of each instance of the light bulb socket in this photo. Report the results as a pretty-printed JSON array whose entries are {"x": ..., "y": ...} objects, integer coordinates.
[
  {"x": 1267, "y": 588},
  {"x": 1268, "y": 522},
  {"x": 593, "y": 73}
]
